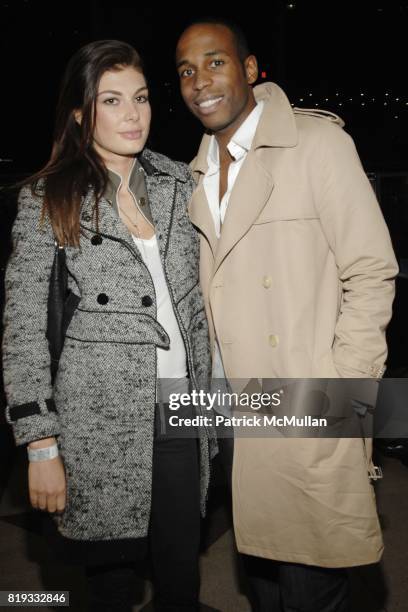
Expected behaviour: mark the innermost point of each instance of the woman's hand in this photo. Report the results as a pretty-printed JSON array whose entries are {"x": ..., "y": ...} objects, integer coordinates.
[{"x": 46, "y": 483}]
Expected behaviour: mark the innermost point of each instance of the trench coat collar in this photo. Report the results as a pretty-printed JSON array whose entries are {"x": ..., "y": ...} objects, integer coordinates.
[{"x": 254, "y": 184}]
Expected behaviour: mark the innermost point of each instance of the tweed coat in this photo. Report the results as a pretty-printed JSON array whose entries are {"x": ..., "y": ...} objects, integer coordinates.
[
  {"x": 102, "y": 405},
  {"x": 299, "y": 285}
]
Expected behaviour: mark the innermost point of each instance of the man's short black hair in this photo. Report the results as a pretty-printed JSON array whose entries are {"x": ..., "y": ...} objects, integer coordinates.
[{"x": 240, "y": 39}]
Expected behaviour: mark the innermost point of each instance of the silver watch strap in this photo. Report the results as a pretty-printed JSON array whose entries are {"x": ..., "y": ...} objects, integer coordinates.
[{"x": 42, "y": 454}]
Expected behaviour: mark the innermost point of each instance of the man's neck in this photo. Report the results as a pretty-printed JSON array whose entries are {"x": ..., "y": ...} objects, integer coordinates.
[
  {"x": 225, "y": 156},
  {"x": 223, "y": 137}
]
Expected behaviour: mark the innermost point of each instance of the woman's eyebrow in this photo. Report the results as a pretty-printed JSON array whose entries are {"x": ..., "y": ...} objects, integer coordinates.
[{"x": 119, "y": 93}]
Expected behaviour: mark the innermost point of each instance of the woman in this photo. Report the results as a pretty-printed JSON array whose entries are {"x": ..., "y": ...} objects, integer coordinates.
[{"x": 120, "y": 212}]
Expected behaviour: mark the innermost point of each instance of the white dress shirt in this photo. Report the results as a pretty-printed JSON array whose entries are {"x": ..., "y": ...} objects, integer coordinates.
[{"x": 238, "y": 147}]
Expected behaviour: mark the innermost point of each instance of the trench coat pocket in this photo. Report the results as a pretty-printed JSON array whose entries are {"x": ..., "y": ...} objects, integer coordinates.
[
  {"x": 346, "y": 388},
  {"x": 269, "y": 216},
  {"x": 283, "y": 210},
  {"x": 118, "y": 327}
]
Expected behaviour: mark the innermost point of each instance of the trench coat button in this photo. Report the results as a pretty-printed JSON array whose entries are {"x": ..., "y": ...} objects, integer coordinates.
[
  {"x": 142, "y": 201},
  {"x": 147, "y": 300},
  {"x": 102, "y": 299},
  {"x": 273, "y": 340},
  {"x": 97, "y": 239},
  {"x": 86, "y": 217},
  {"x": 267, "y": 282}
]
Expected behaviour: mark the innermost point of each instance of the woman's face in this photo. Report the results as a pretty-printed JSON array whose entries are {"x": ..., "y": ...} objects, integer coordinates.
[{"x": 123, "y": 114}]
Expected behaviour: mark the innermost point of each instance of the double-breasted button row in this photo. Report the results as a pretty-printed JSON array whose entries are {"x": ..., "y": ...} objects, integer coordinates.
[
  {"x": 97, "y": 239},
  {"x": 104, "y": 299},
  {"x": 267, "y": 282},
  {"x": 273, "y": 340},
  {"x": 147, "y": 300}
]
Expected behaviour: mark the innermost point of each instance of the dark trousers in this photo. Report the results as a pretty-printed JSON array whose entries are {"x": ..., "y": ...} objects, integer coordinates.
[
  {"x": 174, "y": 536},
  {"x": 277, "y": 586},
  {"x": 291, "y": 587}
]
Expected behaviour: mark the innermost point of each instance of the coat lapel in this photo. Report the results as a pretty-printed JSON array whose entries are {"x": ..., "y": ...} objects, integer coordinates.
[
  {"x": 109, "y": 222},
  {"x": 161, "y": 191},
  {"x": 200, "y": 216},
  {"x": 250, "y": 193},
  {"x": 198, "y": 209},
  {"x": 254, "y": 183}
]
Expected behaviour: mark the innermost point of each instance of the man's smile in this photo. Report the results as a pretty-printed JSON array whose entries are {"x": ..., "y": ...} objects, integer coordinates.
[{"x": 209, "y": 104}]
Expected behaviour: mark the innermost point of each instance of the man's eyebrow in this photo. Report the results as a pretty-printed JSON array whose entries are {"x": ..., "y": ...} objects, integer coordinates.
[
  {"x": 119, "y": 93},
  {"x": 207, "y": 54}
]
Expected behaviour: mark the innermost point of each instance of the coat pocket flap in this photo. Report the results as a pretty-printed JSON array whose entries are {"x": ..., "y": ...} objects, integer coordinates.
[{"x": 123, "y": 327}]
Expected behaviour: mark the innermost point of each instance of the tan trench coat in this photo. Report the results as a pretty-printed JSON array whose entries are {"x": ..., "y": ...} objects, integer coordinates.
[{"x": 300, "y": 284}]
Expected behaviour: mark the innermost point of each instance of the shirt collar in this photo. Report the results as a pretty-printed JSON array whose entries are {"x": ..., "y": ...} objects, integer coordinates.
[
  {"x": 115, "y": 181},
  {"x": 240, "y": 142}
]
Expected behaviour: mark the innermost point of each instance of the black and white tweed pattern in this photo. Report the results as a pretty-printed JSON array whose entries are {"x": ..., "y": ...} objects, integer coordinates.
[{"x": 104, "y": 392}]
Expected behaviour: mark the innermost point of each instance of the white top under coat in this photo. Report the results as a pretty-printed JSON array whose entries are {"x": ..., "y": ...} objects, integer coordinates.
[{"x": 171, "y": 363}]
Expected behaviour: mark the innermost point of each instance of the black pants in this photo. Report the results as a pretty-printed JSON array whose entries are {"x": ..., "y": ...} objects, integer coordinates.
[
  {"x": 174, "y": 536},
  {"x": 289, "y": 587}
]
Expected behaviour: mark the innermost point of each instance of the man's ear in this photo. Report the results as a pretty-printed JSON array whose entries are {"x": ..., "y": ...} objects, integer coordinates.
[
  {"x": 251, "y": 69},
  {"x": 78, "y": 116}
]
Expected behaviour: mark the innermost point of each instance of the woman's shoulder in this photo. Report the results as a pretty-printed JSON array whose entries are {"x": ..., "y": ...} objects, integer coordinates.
[
  {"x": 32, "y": 193},
  {"x": 30, "y": 210},
  {"x": 154, "y": 162}
]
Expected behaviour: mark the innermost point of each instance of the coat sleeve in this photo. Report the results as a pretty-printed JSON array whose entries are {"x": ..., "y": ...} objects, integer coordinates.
[
  {"x": 26, "y": 358},
  {"x": 358, "y": 236}
]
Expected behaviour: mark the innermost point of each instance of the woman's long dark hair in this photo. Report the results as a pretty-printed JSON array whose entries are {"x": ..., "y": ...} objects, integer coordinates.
[{"x": 74, "y": 166}]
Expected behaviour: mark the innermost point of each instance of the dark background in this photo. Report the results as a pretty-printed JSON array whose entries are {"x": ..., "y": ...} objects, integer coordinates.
[{"x": 347, "y": 57}]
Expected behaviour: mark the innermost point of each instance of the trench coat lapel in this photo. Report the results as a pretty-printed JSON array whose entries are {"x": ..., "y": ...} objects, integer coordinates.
[
  {"x": 198, "y": 209},
  {"x": 251, "y": 191},
  {"x": 200, "y": 216},
  {"x": 254, "y": 183},
  {"x": 249, "y": 195}
]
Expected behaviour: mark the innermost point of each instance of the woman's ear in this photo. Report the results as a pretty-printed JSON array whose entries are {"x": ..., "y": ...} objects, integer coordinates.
[{"x": 78, "y": 116}]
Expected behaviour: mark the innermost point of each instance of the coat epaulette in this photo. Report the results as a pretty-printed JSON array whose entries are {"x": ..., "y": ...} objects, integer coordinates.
[{"x": 319, "y": 113}]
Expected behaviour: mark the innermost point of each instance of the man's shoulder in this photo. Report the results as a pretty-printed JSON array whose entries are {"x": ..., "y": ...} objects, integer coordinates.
[
  {"x": 317, "y": 127},
  {"x": 318, "y": 114},
  {"x": 311, "y": 121}
]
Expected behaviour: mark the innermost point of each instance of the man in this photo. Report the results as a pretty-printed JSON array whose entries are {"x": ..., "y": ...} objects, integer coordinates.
[{"x": 297, "y": 274}]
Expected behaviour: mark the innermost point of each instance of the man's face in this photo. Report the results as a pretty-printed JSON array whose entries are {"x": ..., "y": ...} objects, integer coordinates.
[{"x": 215, "y": 84}]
